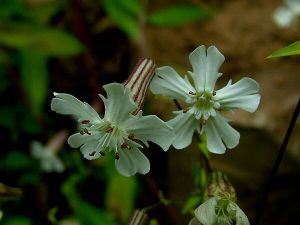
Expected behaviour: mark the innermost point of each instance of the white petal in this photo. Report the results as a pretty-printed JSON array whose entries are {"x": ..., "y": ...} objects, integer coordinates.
[
  {"x": 169, "y": 83},
  {"x": 37, "y": 150},
  {"x": 119, "y": 103},
  {"x": 205, "y": 213},
  {"x": 69, "y": 105},
  {"x": 151, "y": 128},
  {"x": 77, "y": 139},
  {"x": 184, "y": 126},
  {"x": 240, "y": 216},
  {"x": 194, "y": 221},
  {"x": 131, "y": 162},
  {"x": 213, "y": 139},
  {"x": 294, "y": 5},
  {"x": 283, "y": 17},
  {"x": 242, "y": 94},
  {"x": 248, "y": 103},
  {"x": 229, "y": 135},
  {"x": 53, "y": 164},
  {"x": 206, "y": 65},
  {"x": 91, "y": 150},
  {"x": 89, "y": 145}
]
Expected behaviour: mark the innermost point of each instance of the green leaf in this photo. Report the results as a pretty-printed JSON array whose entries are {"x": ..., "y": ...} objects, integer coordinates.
[
  {"x": 52, "y": 215},
  {"x": 293, "y": 49},
  {"x": 17, "y": 220},
  {"x": 28, "y": 123},
  {"x": 191, "y": 203},
  {"x": 87, "y": 214},
  {"x": 177, "y": 15},
  {"x": 121, "y": 202},
  {"x": 10, "y": 8},
  {"x": 44, "y": 40},
  {"x": 8, "y": 119},
  {"x": 34, "y": 77},
  {"x": 15, "y": 160},
  {"x": 123, "y": 16},
  {"x": 132, "y": 6},
  {"x": 163, "y": 199},
  {"x": 43, "y": 13}
]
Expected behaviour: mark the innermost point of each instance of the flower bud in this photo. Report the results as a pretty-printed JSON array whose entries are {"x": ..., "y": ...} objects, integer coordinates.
[
  {"x": 139, "y": 81},
  {"x": 139, "y": 218},
  {"x": 219, "y": 185}
]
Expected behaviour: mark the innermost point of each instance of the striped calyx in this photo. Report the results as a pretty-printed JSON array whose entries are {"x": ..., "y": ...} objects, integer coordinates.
[{"x": 139, "y": 81}]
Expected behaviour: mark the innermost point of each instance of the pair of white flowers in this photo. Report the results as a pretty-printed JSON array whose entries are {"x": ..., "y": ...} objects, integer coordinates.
[{"x": 123, "y": 130}]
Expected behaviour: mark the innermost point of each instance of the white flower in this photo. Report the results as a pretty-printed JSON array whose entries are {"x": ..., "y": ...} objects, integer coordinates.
[
  {"x": 119, "y": 131},
  {"x": 219, "y": 211},
  {"x": 286, "y": 15},
  {"x": 49, "y": 161},
  {"x": 204, "y": 103}
]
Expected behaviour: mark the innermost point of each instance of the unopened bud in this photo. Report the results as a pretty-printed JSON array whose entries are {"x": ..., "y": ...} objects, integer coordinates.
[
  {"x": 219, "y": 185},
  {"x": 139, "y": 81},
  {"x": 139, "y": 218}
]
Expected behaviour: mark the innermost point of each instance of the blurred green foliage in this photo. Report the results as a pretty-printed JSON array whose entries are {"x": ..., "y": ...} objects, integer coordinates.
[
  {"x": 177, "y": 15},
  {"x": 132, "y": 15}
]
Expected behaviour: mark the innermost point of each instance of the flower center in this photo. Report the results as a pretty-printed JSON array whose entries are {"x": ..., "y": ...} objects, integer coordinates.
[
  {"x": 204, "y": 104},
  {"x": 111, "y": 137},
  {"x": 221, "y": 210},
  {"x": 204, "y": 101}
]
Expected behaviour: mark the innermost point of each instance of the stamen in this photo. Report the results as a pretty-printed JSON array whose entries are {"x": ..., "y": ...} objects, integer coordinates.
[
  {"x": 92, "y": 153},
  {"x": 86, "y": 131},
  {"x": 192, "y": 93},
  {"x": 125, "y": 145},
  {"x": 85, "y": 121},
  {"x": 102, "y": 153},
  {"x": 109, "y": 130},
  {"x": 185, "y": 110},
  {"x": 117, "y": 156},
  {"x": 214, "y": 93},
  {"x": 81, "y": 132},
  {"x": 131, "y": 136}
]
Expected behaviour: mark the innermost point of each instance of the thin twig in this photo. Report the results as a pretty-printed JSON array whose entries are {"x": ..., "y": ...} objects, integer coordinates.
[{"x": 263, "y": 202}]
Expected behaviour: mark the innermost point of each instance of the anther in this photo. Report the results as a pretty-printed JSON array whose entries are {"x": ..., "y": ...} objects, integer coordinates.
[
  {"x": 92, "y": 153},
  {"x": 86, "y": 131},
  {"x": 125, "y": 145},
  {"x": 85, "y": 121},
  {"x": 81, "y": 132},
  {"x": 192, "y": 93},
  {"x": 117, "y": 156},
  {"x": 131, "y": 136},
  {"x": 214, "y": 93},
  {"x": 102, "y": 153},
  {"x": 109, "y": 130},
  {"x": 185, "y": 110}
]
